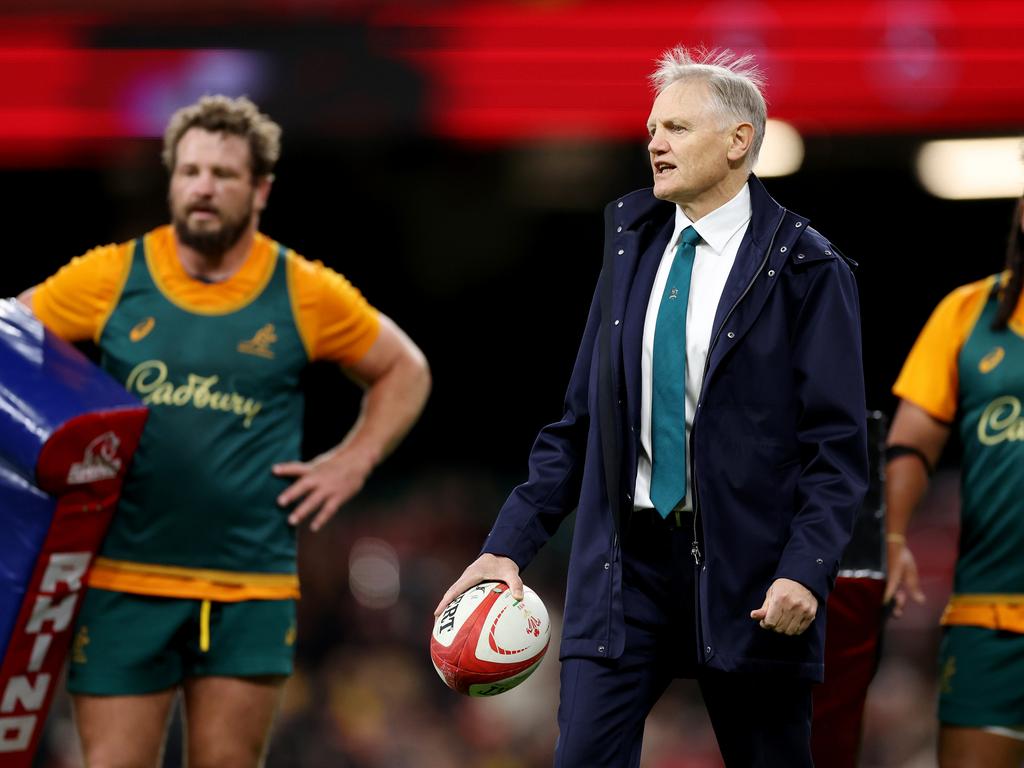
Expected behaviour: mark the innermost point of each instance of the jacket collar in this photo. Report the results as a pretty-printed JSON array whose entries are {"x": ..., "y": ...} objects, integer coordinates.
[
  {"x": 641, "y": 206},
  {"x": 765, "y": 213}
]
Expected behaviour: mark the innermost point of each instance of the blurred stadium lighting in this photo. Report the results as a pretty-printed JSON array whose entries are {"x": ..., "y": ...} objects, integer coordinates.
[
  {"x": 374, "y": 573},
  {"x": 782, "y": 152},
  {"x": 972, "y": 169},
  {"x": 75, "y": 86},
  {"x": 149, "y": 97}
]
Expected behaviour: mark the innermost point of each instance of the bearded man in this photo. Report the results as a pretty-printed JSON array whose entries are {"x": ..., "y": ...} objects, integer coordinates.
[{"x": 210, "y": 323}]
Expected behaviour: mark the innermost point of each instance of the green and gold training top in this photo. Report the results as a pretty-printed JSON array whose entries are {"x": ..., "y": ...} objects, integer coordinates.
[
  {"x": 962, "y": 371},
  {"x": 218, "y": 365}
]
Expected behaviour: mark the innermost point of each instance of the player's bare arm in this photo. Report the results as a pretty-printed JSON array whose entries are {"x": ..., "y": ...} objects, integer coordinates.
[
  {"x": 25, "y": 297},
  {"x": 906, "y": 483},
  {"x": 396, "y": 379}
]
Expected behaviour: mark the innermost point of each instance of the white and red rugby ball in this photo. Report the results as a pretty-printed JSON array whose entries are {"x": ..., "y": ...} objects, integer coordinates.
[{"x": 485, "y": 643}]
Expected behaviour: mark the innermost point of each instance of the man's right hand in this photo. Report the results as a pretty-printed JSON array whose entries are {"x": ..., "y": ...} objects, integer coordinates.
[
  {"x": 902, "y": 578},
  {"x": 487, "y": 567}
]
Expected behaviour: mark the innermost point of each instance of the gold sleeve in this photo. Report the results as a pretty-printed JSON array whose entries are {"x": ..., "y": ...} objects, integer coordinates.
[
  {"x": 930, "y": 378},
  {"x": 75, "y": 302},
  {"x": 335, "y": 321}
]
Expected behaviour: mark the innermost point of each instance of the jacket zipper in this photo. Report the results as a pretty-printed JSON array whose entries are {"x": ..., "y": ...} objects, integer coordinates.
[{"x": 695, "y": 546}]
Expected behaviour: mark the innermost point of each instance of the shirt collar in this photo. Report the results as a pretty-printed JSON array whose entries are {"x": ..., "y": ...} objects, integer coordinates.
[{"x": 717, "y": 228}]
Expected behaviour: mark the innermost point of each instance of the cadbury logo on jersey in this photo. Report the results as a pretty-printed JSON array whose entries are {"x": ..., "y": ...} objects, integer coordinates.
[
  {"x": 149, "y": 379},
  {"x": 1001, "y": 422}
]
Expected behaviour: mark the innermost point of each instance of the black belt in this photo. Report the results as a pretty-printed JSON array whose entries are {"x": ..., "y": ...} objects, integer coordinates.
[{"x": 652, "y": 517}]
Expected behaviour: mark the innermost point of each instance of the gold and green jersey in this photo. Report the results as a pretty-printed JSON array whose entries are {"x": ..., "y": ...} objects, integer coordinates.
[
  {"x": 218, "y": 364},
  {"x": 964, "y": 373}
]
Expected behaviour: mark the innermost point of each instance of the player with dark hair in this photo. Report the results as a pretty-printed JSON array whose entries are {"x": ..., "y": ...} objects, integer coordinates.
[
  {"x": 209, "y": 323},
  {"x": 966, "y": 370}
]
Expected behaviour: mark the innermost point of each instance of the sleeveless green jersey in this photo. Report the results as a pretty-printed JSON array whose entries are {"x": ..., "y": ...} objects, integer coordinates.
[
  {"x": 222, "y": 389},
  {"x": 991, "y": 393}
]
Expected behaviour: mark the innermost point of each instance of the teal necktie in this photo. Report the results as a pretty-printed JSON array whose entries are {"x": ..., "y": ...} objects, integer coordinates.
[{"x": 668, "y": 388}]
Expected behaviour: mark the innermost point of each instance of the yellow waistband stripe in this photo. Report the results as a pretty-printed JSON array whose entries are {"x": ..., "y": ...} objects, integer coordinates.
[
  {"x": 1007, "y": 598},
  {"x": 204, "y": 626},
  {"x": 191, "y": 583},
  {"x": 1005, "y": 612}
]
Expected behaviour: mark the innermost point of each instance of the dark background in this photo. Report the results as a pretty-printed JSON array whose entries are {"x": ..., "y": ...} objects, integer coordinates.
[{"x": 494, "y": 287}]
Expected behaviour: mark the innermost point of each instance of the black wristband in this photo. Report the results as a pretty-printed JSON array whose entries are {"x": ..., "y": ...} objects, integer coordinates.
[{"x": 897, "y": 450}]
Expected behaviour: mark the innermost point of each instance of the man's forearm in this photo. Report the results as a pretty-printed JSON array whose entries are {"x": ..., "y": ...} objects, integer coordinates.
[
  {"x": 906, "y": 482},
  {"x": 390, "y": 407},
  {"x": 922, "y": 438}
]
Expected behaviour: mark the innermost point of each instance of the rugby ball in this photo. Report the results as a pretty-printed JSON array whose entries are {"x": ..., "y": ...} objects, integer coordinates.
[{"x": 485, "y": 643}]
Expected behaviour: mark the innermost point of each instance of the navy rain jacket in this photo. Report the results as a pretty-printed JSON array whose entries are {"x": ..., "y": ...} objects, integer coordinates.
[{"x": 778, "y": 448}]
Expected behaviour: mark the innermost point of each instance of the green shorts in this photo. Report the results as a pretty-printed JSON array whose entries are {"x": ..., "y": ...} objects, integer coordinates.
[
  {"x": 126, "y": 644},
  {"x": 981, "y": 677}
]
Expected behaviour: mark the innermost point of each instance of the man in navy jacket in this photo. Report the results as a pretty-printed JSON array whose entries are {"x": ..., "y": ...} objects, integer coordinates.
[{"x": 724, "y": 585}]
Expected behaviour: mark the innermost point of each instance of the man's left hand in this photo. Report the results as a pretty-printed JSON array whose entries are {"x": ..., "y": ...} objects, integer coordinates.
[
  {"x": 788, "y": 608},
  {"x": 322, "y": 485}
]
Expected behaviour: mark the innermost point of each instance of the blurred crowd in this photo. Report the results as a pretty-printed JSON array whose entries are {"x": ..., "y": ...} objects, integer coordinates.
[{"x": 365, "y": 695}]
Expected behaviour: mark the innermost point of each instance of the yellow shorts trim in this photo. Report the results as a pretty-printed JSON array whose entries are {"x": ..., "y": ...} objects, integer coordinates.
[
  {"x": 193, "y": 583},
  {"x": 990, "y": 611}
]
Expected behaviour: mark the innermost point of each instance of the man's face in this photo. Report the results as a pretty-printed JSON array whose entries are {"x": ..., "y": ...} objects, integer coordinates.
[
  {"x": 212, "y": 194},
  {"x": 690, "y": 143}
]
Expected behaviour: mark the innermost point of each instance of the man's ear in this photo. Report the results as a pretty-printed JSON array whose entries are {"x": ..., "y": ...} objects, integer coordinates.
[
  {"x": 262, "y": 191},
  {"x": 739, "y": 142}
]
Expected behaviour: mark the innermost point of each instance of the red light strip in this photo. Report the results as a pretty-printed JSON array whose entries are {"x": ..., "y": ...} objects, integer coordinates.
[{"x": 503, "y": 72}]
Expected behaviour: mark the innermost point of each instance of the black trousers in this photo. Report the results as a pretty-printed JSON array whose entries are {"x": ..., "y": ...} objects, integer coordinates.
[{"x": 759, "y": 721}]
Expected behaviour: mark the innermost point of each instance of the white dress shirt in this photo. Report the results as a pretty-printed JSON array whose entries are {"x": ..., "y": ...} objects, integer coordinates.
[{"x": 721, "y": 232}]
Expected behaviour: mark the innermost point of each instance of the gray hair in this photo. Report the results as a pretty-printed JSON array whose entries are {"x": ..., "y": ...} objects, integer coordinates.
[{"x": 735, "y": 84}]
